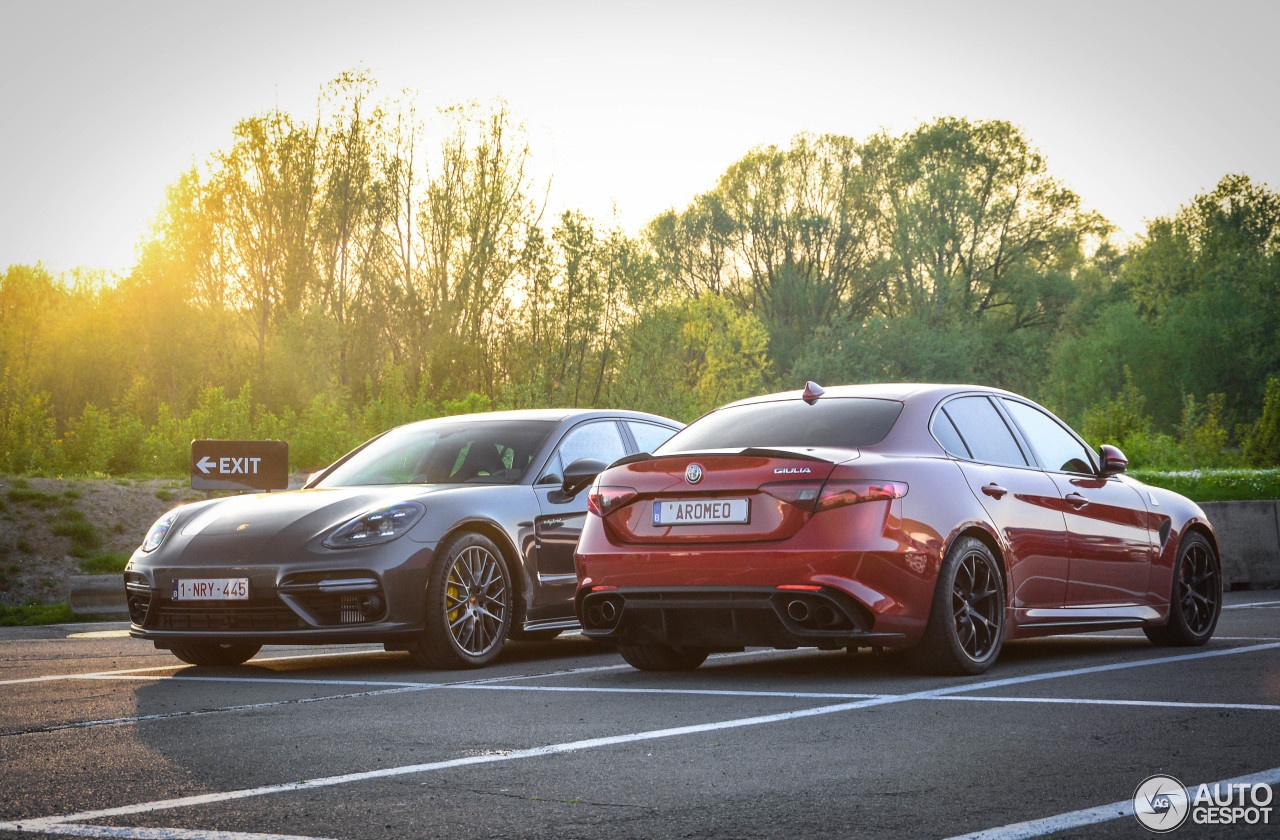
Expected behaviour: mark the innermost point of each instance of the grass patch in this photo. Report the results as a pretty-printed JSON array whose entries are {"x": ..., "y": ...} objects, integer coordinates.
[
  {"x": 20, "y": 482},
  {"x": 165, "y": 495},
  {"x": 31, "y": 498},
  {"x": 1216, "y": 485},
  {"x": 106, "y": 563},
  {"x": 85, "y": 538},
  {"x": 33, "y": 613}
]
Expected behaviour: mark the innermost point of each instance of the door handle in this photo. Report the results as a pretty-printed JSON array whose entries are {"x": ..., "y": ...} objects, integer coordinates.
[
  {"x": 994, "y": 490},
  {"x": 1076, "y": 500}
]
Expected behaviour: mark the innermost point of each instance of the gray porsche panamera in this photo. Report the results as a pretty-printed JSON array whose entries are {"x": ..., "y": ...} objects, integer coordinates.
[{"x": 442, "y": 538}]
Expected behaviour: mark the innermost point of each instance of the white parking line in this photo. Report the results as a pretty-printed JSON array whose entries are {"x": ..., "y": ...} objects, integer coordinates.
[
  {"x": 284, "y": 680},
  {"x": 175, "y": 666},
  {"x": 84, "y": 724},
  {"x": 1126, "y": 636},
  {"x": 803, "y": 695},
  {"x": 1159, "y": 704},
  {"x": 1093, "y": 816},
  {"x": 1252, "y": 605},
  {"x": 53, "y": 824},
  {"x": 138, "y": 833},
  {"x": 492, "y": 685}
]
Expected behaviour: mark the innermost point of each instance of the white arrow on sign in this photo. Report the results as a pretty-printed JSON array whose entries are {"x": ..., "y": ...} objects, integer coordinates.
[{"x": 205, "y": 464}]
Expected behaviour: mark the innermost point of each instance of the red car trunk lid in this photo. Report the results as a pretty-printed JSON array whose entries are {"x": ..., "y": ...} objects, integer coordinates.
[{"x": 717, "y": 497}]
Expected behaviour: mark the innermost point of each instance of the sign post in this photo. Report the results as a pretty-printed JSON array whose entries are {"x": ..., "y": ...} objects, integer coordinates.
[{"x": 239, "y": 465}]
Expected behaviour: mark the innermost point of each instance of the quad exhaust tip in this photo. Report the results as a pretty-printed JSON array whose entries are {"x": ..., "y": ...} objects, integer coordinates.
[
  {"x": 603, "y": 614},
  {"x": 814, "y": 613}
]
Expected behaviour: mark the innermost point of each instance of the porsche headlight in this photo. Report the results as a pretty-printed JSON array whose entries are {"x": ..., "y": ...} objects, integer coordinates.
[
  {"x": 377, "y": 526},
  {"x": 158, "y": 531}
]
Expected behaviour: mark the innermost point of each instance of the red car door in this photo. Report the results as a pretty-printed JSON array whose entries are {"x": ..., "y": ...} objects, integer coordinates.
[
  {"x": 1022, "y": 502},
  {"x": 1111, "y": 544}
]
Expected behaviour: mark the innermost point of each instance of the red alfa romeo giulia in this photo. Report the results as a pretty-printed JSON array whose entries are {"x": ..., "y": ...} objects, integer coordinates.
[{"x": 943, "y": 519}]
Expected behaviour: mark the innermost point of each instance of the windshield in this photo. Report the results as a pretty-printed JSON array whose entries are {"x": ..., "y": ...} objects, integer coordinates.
[
  {"x": 446, "y": 452},
  {"x": 846, "y": 422}
]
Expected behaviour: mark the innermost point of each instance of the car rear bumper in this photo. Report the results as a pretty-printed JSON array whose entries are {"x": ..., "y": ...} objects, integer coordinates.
[{"x": 729, "y": 617}]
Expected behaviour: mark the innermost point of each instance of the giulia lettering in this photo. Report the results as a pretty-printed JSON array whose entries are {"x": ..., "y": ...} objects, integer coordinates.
[{"x": 791, "y": 470}]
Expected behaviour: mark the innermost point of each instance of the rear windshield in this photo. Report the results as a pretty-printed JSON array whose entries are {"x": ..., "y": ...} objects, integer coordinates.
[{"x": 833, "y": 421}]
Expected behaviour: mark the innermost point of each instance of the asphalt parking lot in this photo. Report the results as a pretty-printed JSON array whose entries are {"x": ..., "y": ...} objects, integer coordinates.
[{"x": 102, "y": 736}]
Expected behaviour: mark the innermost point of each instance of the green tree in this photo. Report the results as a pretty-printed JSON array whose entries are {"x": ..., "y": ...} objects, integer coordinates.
[{"x": 786, "y": 235}]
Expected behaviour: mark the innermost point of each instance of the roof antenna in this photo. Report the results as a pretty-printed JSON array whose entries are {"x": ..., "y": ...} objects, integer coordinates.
[{"x": 812, "y": 390}]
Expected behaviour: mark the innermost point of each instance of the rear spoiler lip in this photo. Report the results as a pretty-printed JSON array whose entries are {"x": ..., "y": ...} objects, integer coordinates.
[{"x": 798, "y": 453}]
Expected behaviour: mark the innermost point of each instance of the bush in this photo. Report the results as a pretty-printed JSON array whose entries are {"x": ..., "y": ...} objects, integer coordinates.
[
  {"x": 126, "y": 444},
  {"x": 1260, "y": 442},
  {"x": 1117, "y": 419},
  {"x": 1153, "y": 451},
  {"x": 1216, "y": 485},
  {"x": 27, "y": 440},
  {"x": 1203, "y": 433},
  {"x": 89, "y": 442}
]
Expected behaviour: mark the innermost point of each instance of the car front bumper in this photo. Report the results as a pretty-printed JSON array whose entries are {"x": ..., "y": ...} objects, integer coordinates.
[{"x": 374, "y": 595}]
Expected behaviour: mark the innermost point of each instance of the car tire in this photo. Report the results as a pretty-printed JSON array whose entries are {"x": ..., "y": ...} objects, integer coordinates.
[
  {"x": 662, "y": 658},
  {"x": 1195, "y": 601},
  {"x": 214, "y": 654},
  {"x": 967, "y": 618},
  {"x": 469, "y": 605}
]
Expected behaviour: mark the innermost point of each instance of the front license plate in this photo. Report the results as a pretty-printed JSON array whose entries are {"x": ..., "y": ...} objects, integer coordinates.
[
  {"x": 701, "y": 512},
  {"x": 211, "y": 589}
]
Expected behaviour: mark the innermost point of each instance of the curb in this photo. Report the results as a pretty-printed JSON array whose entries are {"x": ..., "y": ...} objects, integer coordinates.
[
  {"x": 98, "y": 595},
  {"x": 1248, "y": 540}
]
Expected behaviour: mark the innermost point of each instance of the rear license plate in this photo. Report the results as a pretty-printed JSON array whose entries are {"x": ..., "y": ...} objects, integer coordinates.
[
  {"x": 211, "y": 589},
  {"x": 701, "y": 512}
]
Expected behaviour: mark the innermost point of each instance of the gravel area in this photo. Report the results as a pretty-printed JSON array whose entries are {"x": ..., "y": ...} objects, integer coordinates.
[{"x": 36, "y": 563}]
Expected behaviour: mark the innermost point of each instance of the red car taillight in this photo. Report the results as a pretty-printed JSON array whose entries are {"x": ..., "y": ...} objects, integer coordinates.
[
  {"x": 840, "y": 493},
  {"x": 605, "y": 500},
  {"x": 802, "y": 494},
  {"x": 814, "y": 496}
]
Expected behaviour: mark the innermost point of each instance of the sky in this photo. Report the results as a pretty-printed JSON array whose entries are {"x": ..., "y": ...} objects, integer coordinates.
[{"x": 631, "y": 107}]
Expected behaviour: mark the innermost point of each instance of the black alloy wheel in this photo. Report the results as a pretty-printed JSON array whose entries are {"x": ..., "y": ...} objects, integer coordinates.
[
  {"x": 967, "y": 620},
  {"x": 1196, "y": 599}
]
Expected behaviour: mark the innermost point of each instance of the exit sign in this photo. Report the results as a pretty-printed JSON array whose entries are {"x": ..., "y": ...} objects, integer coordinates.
[{"x": 239, "y": 464}]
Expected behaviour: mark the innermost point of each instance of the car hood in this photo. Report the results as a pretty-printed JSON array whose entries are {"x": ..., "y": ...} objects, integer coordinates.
[{"x": 303, "y": 513}]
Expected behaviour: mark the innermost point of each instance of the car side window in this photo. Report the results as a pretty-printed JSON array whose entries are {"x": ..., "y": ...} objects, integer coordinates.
[
  {"x": 1055, "y": 447},
  {"x": 984, "y": 431},
  {"x": 600, "y": 440},
  {"x": 649, "y": 436},
  {"x": 945, "y": 433}
]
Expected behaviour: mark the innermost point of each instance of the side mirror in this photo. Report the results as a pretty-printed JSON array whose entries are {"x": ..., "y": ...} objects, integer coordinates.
[
  {"x": 1113, "y": 460},
  {"x": 581, "y": 473}
]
